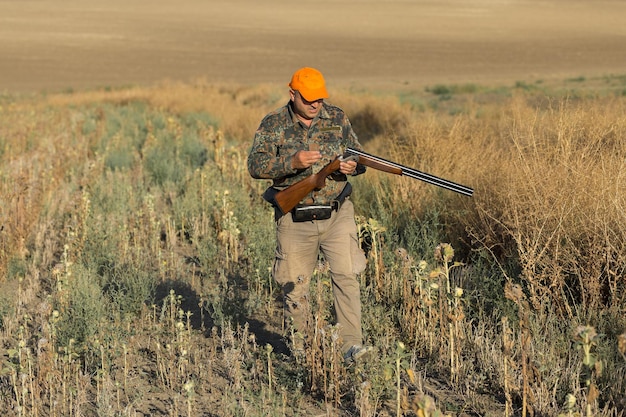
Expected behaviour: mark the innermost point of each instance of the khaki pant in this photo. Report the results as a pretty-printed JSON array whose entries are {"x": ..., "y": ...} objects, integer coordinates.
[{"x": 298, "y": 246}]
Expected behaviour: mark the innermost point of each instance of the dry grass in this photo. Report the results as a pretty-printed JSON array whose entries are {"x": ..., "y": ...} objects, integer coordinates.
[
  {"x": 135, "y": 258},
  {"x": 558, "y": 203}
]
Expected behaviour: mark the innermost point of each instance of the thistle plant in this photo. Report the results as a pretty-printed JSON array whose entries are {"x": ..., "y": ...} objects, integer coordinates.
[
  {"x": 189, "y": 393},
  {"x": 569, "y": 406},
  {"x": 228, "y": 233},
  {"x": 401, "y": 357},
  {"x": 586, "y": 339},
  {"x": 20, "y": 368},
  {"x": 453, "y": 314},
  {"x": 369, "y": 235},
  {"x": 515, "y": 293},
  {"x": 270, "y": 369},
  {"x": 507, "y": 360}
]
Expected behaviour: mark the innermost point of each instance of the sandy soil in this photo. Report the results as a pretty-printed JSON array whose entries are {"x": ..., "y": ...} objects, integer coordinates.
[{"x": 57, "y": 44}]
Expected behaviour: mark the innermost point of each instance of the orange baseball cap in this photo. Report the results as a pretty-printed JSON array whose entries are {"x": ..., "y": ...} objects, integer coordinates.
[{"x": 310, "y": 83}]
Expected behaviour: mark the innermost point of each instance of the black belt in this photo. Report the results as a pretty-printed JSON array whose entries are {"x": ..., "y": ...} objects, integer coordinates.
[{"x": 334, "y": 205}]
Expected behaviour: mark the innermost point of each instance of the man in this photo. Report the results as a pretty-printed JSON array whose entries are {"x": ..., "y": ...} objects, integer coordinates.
[{"x": 290, "y": 144}]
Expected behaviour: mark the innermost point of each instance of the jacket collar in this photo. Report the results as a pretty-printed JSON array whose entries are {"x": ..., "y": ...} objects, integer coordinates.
[{"x": 323, "y": 114}]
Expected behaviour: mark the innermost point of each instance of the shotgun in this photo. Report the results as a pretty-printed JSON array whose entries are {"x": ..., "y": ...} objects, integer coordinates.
[{"x": 288, "y": 198}]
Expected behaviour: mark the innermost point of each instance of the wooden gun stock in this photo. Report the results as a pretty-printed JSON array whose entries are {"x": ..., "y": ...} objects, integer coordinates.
[{"x": 288, "y": 198}]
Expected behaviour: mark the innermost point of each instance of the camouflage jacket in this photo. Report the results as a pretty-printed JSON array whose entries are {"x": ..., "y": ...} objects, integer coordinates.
[{"x": 280, "y": 135}]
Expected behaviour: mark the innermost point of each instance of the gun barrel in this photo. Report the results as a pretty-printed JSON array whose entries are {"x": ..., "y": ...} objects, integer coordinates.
[
  {"x": 431, "y": 179},
  {"x": 416, "y": 174}
]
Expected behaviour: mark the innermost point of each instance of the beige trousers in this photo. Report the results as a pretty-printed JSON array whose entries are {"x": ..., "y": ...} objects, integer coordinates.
[{"x": 298, "y": 247}]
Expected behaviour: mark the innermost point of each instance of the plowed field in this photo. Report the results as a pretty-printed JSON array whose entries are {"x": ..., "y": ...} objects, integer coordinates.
[{"x": 52, "y": 45}]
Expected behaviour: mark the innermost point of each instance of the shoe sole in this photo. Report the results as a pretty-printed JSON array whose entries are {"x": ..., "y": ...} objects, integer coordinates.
[{"x": 361, "y": 354}]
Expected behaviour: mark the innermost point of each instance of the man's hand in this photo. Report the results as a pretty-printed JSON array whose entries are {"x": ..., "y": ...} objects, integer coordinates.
[
  {"x": 347, "y": 167},
  {"x": 304, "y": 159}
]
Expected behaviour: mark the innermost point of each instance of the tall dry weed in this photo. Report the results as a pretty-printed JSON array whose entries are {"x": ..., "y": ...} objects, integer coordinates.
[{"x": 557, "y": 203}]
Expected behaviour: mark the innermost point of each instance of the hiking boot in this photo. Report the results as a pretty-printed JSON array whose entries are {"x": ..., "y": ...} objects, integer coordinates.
[{"x": 357, "y": 353}]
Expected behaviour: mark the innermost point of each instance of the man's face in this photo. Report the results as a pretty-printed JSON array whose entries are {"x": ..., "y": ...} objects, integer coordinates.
[{"x": 304, "y": 109}]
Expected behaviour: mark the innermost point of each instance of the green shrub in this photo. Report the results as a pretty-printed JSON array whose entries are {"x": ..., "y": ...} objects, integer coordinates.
[{"x": 81, "y": 308}]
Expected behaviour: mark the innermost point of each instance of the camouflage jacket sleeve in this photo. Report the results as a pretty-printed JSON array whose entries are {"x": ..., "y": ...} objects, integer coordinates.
[
  {"x": 280, "y": 135},
  {"x": 270, "y": 156}
]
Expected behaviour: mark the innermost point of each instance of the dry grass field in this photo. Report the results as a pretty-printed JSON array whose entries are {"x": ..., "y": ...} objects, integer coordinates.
[
  {"x": 54, "y": 45},
  {"x": 135, "y": 258}
]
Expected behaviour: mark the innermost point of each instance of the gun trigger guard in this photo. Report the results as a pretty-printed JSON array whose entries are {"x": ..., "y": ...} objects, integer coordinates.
[{"x": 349, "y": 158}]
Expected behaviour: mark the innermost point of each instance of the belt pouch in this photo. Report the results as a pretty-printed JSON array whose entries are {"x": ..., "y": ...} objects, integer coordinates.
[{"x": 308, "y": 213}]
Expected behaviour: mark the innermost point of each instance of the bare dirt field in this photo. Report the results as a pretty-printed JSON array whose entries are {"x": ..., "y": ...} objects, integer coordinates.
[{"x": 53, "y": 45}]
